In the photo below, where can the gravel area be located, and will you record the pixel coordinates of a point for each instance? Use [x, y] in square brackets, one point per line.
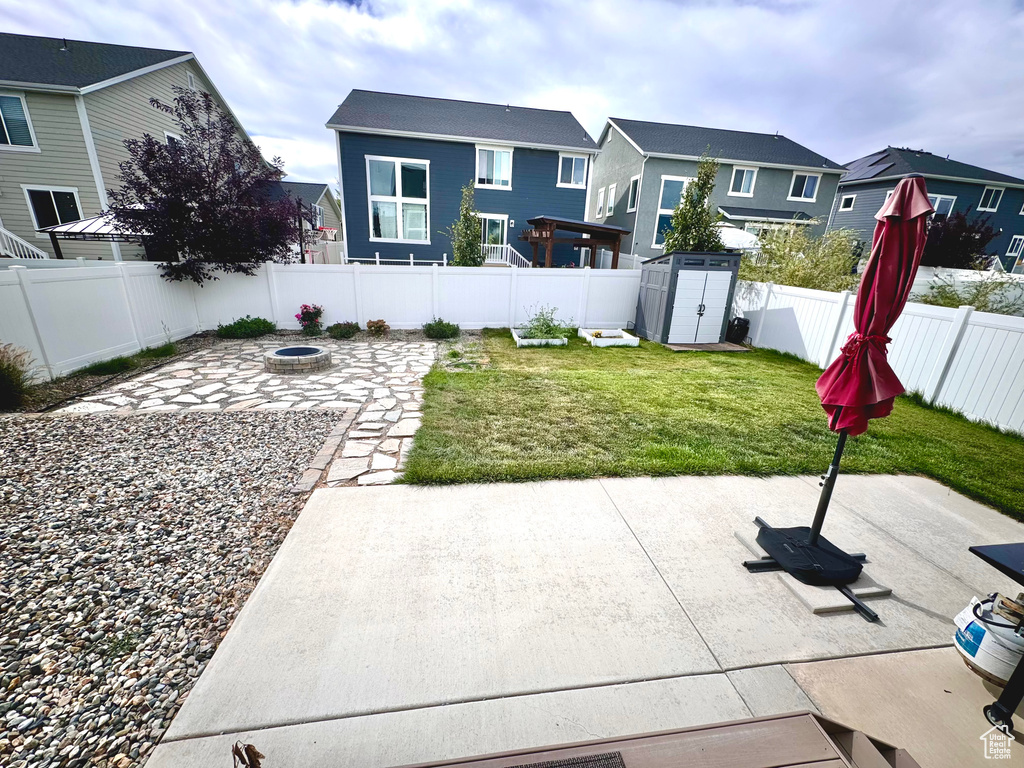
[127, 546]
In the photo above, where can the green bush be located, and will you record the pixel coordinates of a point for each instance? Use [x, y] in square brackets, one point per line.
[109, 367]
[377, 328]
[246, 328]
[15, 363]
[543, 325]
[791, 256]
[343, 330]
[439, 329]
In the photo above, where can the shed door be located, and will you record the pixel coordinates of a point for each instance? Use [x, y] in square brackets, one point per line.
[716, 295]
[689, 297]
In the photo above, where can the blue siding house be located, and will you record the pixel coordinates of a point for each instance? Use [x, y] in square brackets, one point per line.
[403, 161]
[952, 186]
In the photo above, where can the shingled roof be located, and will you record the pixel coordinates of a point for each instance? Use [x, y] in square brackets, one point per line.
[53, 61]
[693, 141]
[896, 161]
[375, 112]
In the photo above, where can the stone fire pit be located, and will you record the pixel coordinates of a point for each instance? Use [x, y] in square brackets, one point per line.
[297, 359]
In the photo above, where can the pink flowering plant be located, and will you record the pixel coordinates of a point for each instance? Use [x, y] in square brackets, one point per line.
[310, 318]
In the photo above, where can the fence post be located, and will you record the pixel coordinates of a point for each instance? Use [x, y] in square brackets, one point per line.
[356, 291]
[376, 257]
[272, 290]
[444, 258]
[584, 297]
[22, 275]
[826, 352]
[410, 260]
[947, 352]
[126, 289]
[764, 314]
[512, 296]
[434, 288]
[80, 260]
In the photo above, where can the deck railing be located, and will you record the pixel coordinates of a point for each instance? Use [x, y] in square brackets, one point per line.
[14, 247]
[505, 254]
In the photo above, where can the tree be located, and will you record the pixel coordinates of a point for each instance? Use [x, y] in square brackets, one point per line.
[790, 256]
[203, 199]
[692, 227]
[465, 232]
[957, 241]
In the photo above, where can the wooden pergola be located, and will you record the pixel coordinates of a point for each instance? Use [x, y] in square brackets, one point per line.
[599, 235]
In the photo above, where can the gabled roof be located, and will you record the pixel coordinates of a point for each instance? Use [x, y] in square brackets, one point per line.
[397, 114]
[307, 192]
[898, 161]
[691, 141]
[73, 64]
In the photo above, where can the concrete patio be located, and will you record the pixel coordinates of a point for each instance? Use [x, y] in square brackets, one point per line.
[403, 624]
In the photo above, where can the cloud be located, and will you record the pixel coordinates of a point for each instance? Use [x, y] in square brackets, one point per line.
[844, 79]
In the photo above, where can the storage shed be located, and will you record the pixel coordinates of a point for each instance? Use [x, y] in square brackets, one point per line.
[685, 297]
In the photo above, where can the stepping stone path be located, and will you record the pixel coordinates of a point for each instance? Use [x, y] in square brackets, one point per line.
[375, 386]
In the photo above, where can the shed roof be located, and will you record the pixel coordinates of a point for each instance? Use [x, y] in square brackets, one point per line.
[376, 112]
[693, 141]
[899, 161]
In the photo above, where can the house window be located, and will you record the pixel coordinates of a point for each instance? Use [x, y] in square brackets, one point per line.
[600, 202]
[51, 206]
[1016, 246]
[846, 203]
[398, 190]
[990, 199]
[173, 139]
[610, 210]
[672, 188]
[743, 182]
[494, 167]
[943, 204]
[493, 228]
[634, 194]
[15, 128]
[317, 216]
[804, 187]
[191, 82]
[572, 171]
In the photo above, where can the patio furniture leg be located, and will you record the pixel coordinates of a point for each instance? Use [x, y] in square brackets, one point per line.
[858, 604]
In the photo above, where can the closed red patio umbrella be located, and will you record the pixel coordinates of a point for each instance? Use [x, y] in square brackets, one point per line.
[858, 386]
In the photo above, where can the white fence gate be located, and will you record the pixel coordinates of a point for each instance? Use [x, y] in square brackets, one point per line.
[970, 361]
[68, 318]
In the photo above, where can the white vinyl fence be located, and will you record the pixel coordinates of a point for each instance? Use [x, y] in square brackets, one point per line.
[966, 360]
[69, 318]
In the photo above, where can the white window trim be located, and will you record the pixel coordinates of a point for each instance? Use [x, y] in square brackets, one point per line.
[609, 203]
[318, 216]
[398, 199]
[938, 198]
[817, 188]
[561, 156]
[31, 130]
[630, 191]
[1000, 190]
[661, 193]
[191, 81]
[494, 148]
[25, 188]
[842, 200]
[1019, 241]
[1021, 211]
[503, 216]
[753, 183]
[170, 135]
[600, 204]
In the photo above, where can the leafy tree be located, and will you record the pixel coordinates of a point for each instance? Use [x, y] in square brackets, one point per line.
[203, 200]
[958, 241]
[692, 227]
[465, 232]
[790, 256]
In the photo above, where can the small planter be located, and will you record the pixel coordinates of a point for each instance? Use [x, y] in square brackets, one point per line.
[521, 342]
[608, 338]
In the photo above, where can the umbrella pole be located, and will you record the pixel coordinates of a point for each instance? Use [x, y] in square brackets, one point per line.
[829, 479]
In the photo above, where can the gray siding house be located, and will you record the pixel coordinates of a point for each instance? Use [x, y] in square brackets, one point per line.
[764, 180]
[952, 186]
[403, 161]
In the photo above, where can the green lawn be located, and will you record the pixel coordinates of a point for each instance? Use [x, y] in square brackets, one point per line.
[581, 412]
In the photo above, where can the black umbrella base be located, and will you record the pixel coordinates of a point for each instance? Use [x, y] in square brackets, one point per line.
[822, 564]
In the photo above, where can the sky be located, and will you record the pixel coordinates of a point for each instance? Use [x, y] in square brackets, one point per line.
[842, 78]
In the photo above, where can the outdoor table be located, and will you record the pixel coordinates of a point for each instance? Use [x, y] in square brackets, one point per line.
[1007, 559]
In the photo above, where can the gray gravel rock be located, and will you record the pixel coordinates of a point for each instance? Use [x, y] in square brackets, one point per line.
[127, 546]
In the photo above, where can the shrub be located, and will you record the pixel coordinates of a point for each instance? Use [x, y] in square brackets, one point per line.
[246, 328]
[789, 256]
[543, 325]
[464, 232]
[309, 317]
[109, 367]
[155, 353]
[343, 330]
[990, 292]
[439, 329]
[15, 363]
[377, 328]
[959, 242]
